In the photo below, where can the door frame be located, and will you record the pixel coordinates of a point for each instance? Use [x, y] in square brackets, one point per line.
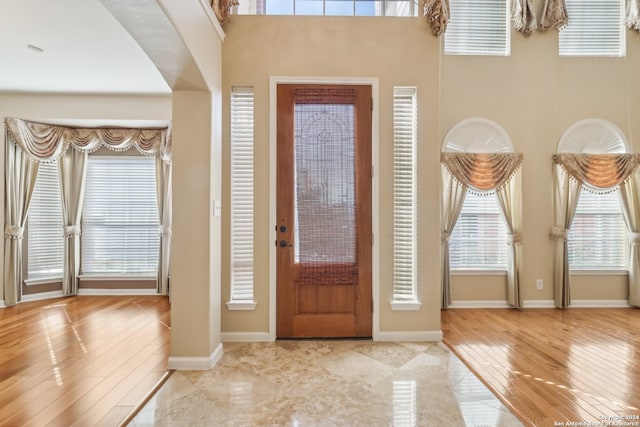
[375, 200]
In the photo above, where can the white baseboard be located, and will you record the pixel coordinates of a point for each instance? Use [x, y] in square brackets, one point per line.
[115, 292]
[607, 303]
[480, 304]
[41, 296]
[539, 303]
[409, 336]
[246, 337]
[196, 363]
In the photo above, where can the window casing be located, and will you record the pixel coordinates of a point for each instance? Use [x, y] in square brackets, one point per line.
[478, 27]
[242, 157]
[405, 120]
[595, 28]
[45, 241]
[479, 239]
[598, 234]
[120, 225]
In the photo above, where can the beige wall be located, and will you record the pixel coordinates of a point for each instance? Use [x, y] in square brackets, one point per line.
[534, 94]
[397, 52]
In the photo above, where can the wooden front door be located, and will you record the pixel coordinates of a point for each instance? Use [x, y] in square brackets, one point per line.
[324, 231]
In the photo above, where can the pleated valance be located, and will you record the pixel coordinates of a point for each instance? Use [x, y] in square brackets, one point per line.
[483, 173]
[599, 173]
[46, 142]
[437, 14]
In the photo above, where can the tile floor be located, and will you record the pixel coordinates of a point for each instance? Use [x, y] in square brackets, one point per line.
[328, 384]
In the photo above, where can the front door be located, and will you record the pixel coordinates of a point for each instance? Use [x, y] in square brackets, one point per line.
[324, 231]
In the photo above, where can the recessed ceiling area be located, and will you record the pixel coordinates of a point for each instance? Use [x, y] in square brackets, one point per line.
[71, 46]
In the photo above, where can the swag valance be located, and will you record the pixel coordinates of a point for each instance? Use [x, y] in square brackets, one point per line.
[46, 142]
[599, 173]
[483, 173]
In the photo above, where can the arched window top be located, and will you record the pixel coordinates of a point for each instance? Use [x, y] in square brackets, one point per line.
[593, 136]
[477, 135]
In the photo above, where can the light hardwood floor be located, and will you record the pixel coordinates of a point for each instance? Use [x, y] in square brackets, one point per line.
[80, 361]
[548, 366]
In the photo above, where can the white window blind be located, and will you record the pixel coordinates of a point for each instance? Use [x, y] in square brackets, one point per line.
[404, 193]
[478, 27]
[479, 239]
[242, 194]
[595, 28]
[598, 234]
[45, 244]
[120, 225]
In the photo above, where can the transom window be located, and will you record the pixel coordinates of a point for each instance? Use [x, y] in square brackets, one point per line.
[329, 7]
[478, 27]
[595, 28]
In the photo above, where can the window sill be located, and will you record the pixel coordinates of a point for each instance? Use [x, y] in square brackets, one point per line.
[241, 305]
[405, 305]
[478, 272]
[42, 281]
[115, 277]
[599, 272]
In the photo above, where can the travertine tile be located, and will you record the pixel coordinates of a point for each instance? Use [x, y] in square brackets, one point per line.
[328, 384]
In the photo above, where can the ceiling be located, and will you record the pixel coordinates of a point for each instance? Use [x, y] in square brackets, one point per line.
[71, 46]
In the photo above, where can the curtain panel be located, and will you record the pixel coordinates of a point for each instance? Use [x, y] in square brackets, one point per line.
[28, 143]
[484, 173]
[599, 173]
[524, 17]
[632, 15]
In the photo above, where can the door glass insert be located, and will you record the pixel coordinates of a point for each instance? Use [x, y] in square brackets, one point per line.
[325, 189]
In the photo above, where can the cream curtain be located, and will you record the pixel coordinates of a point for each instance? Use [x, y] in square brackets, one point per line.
[630, 202]
[554, 15]
[163, 185]
[598, 173]
[524, 17]
[486, 173]
[29, 143]
[20, 178]
[632, 15]
[73, 176]
[437, 14]
[453, 194]
[566, 193]
[510, 201]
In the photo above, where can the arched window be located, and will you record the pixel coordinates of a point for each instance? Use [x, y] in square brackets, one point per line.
[481, 203]
[592, 168]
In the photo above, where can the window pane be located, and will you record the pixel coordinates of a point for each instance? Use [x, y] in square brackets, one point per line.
[479, 239]
[45, 243]
[595, 28]
[478, 27]
[309, 7]
[242, 194]
[120, 233]
[339, 7]
[279, 7]
[404, 193]
[598, 234]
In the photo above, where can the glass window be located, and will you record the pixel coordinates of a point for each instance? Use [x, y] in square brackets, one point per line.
[45, 244]
[479, 239]
[478, 27]
[120, 225]
[598, 234]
